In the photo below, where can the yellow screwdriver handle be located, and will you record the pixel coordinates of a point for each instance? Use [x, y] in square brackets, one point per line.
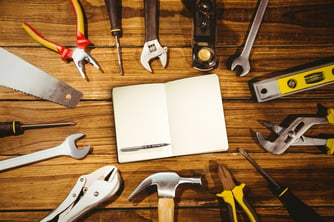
[238, 193]
[228, 198]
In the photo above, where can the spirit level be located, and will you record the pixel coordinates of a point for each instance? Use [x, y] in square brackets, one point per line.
[294, 82]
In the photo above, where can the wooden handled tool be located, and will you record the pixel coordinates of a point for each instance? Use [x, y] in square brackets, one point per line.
[166, 182]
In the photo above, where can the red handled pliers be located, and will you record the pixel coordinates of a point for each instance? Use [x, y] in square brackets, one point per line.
[79, 55]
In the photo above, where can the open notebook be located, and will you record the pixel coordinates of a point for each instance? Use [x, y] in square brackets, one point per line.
[185, 116]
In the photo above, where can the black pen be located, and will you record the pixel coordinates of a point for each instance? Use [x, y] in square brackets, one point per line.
[149, 146]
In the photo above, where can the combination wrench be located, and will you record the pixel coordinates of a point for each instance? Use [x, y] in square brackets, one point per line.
[67, 148]
[243, 59]
[152, 47]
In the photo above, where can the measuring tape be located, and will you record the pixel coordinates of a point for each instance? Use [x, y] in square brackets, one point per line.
[291, 83]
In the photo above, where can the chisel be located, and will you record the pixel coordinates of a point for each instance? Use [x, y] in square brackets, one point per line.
[298, 210]
[114, 10]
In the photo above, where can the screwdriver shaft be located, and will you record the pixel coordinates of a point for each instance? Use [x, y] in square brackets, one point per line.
[46, 125]
[119, 55]
[259, 169]
[16, 128]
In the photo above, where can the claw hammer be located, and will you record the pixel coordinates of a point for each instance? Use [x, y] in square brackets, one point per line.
[166, 183]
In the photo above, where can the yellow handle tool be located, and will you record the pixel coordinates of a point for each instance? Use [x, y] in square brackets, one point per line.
[294, 82]
[82, 42]
[238, 193]
[228, 198]
[234, 192]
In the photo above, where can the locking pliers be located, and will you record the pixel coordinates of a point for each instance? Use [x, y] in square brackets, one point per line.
[89, 191]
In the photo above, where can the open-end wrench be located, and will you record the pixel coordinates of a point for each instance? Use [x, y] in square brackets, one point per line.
[67, 148]
[243, 59]
[152, 47]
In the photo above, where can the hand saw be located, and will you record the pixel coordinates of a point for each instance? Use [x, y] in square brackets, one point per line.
[16, 73]
[294, 82]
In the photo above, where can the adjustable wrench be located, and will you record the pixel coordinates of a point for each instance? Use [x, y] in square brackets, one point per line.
[152, 47]
[67, 148]
[243, 59]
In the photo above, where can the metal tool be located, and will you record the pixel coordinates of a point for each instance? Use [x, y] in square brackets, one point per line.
[22, 76]
[79, 55]
[243, 59]
[89, 191]
[166, 183]
[293, 82]
[114, 11]
[15, 128]
[67, 148]
[293, 134]
[152, 48]
[204, 36]
[303, 140]
[298, 210]
[231, 192]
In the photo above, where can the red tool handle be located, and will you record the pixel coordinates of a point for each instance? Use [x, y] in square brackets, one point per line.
[64, 52]
[82, 41]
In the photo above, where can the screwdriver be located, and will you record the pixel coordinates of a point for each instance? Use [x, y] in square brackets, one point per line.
[298, 210]
[115, 13]
[15, 128]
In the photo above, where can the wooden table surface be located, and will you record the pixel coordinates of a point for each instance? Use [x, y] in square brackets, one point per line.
[293, 33]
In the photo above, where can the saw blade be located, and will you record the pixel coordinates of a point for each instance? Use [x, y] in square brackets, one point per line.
[17, 74]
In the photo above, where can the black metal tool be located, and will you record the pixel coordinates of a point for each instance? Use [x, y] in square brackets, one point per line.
[15, 128]
[204, 36]
[114, 8]
[298, 210]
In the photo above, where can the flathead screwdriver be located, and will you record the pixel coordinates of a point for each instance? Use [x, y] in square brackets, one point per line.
[115, 14]
[17, 128]
[298, 210]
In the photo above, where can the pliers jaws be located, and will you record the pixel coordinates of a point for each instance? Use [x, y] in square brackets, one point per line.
[80, 57]
[89, 191]
[293, 135]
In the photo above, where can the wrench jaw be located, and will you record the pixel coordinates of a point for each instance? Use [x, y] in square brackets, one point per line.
[71, 148]
[241, 64]
[152, 49]
[271, 146]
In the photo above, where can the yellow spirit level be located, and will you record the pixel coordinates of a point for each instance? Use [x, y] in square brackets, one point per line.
[294, 82]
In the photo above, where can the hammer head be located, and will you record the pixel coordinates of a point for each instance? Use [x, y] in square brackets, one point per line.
[166, 183]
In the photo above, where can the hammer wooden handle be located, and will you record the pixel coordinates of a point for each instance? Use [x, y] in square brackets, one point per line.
[166, 209]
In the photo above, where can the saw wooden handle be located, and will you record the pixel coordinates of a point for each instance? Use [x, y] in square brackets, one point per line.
[166, 209]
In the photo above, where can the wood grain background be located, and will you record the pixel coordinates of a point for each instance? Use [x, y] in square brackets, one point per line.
[293, 33]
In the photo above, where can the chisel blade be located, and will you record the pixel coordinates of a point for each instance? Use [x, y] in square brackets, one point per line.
[17, 74]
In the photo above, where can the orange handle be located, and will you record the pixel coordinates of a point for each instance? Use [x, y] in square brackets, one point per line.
[63, 51]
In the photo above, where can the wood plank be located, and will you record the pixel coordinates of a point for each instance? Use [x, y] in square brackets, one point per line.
[95, 119]
[295, 23]
[265, 62]
[293, 33]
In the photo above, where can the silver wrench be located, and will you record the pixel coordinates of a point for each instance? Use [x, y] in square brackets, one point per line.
[152, 47]
[243, 59]
[67, 148]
